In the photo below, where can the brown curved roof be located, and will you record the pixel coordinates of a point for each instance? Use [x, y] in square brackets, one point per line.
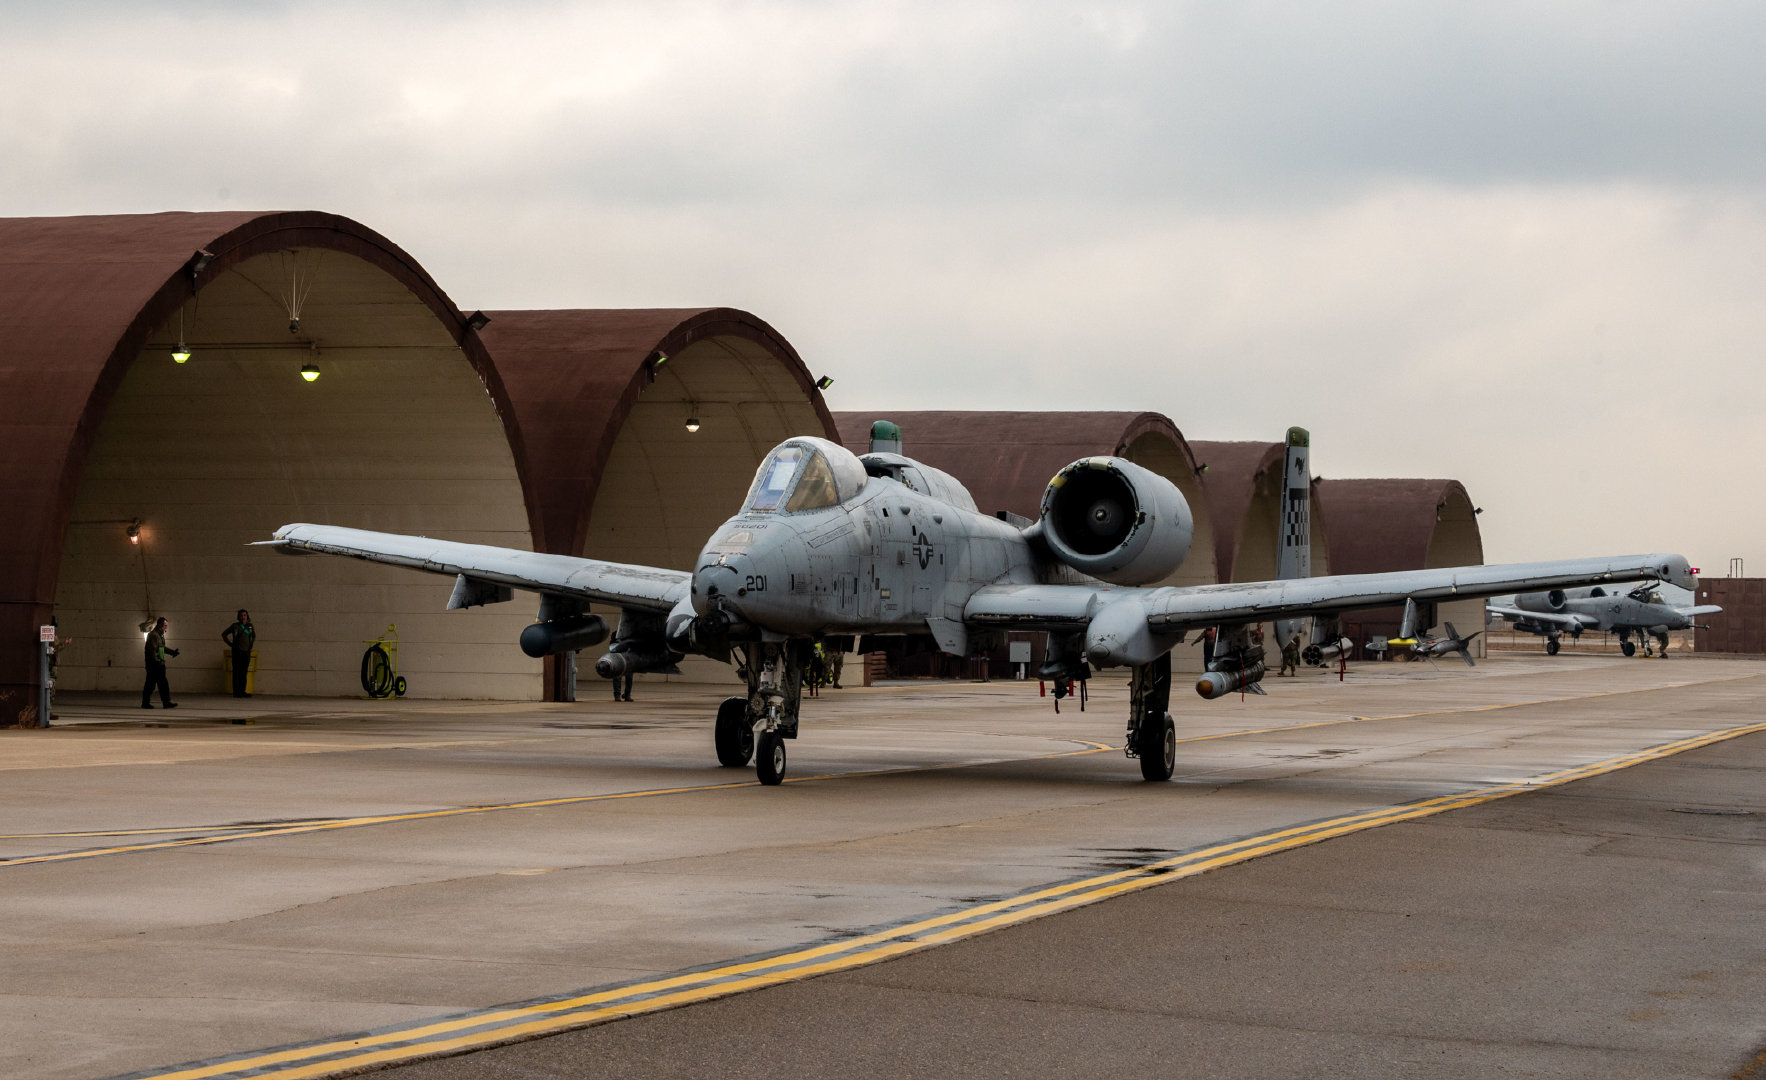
[1381, 525]
[574, 375]
[79, 297]
[1233, 469]
[1006, 459]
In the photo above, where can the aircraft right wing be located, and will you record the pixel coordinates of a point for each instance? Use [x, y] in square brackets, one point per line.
[1135, 625]
[642, 588]
[1702, 609]
[1567, 620]
[1203, 605]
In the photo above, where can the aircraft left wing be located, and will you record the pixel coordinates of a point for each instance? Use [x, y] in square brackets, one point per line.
[1121, 613]
[1567, 620]
[643, 588]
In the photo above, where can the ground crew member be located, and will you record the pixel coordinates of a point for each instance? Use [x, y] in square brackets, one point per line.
[156, 653]
[1208, 637]
[1291, 657]
[240, 637]
[627, 679]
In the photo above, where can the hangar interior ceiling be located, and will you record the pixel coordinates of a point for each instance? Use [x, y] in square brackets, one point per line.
[398, 433]
[665, 489]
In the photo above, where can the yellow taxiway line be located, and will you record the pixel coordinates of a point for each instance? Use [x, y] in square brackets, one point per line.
[487, 1027]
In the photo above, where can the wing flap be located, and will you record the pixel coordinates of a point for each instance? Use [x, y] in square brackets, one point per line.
[645, 588]
[1204, 605]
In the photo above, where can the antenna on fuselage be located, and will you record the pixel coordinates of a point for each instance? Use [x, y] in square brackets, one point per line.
[885, 437]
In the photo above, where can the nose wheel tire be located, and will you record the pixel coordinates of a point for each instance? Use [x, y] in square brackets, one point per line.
[734, 734]
[1629, 648]
[1157, 749]
[1551, 648]
[769, 763]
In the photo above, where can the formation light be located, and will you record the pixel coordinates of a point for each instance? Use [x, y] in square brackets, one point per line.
[309, 372]
[692, 423]
[181, 353]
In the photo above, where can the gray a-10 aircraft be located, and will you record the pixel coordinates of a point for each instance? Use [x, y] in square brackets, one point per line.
[1556, 612]
[829, 545]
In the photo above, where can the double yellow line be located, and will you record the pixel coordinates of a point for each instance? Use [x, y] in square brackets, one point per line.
[489, 1027]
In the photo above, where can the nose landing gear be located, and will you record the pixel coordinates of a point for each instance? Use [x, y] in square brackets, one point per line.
[734, 734]
[756, 727]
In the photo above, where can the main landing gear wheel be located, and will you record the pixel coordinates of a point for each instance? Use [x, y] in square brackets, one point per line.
[1629, 648]
[1551, 648]
[733, 734]
[769, 763]
[1158, 748]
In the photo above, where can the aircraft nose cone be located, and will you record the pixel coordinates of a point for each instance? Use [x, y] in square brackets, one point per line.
[719, 583]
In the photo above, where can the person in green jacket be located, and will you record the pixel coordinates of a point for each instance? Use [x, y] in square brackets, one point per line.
[156, 653]
[240, 637]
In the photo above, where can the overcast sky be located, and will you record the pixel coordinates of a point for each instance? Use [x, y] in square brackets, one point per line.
[1518, 244]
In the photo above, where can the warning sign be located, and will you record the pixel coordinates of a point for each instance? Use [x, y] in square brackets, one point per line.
[46, 633]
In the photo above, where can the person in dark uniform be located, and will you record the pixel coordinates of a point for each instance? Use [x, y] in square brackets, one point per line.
[240, 637]
[1291, 657]
[627, 680]
[156, 653]
[1208, 637]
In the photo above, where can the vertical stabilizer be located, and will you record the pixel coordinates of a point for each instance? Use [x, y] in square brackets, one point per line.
[1294, 557]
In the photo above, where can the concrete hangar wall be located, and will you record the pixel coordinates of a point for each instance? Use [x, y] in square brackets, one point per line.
[136, 481]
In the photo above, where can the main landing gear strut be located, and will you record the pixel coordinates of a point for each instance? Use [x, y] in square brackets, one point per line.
[757, 726]
[1152, 736]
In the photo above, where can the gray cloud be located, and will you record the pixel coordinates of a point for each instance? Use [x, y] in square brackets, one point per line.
[1519, 244]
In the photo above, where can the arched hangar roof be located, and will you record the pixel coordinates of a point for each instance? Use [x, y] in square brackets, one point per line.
[1006, 459]
[79, 299]
[1399, 524]
[576, 377]
[1405, 524]
[1233, 472]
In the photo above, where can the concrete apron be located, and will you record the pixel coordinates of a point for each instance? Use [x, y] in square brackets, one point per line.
[248, 904]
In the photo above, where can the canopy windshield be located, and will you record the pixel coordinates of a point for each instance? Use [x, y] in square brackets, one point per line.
[794, 478]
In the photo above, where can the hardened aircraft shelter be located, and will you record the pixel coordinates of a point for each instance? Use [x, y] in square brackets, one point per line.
[175, 386]
[1402, 524]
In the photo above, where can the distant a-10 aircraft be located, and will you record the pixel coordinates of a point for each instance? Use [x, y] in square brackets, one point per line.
[1642, 611]
[828, 546]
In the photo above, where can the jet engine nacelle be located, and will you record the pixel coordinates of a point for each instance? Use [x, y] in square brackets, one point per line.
[1116, 521]
[1552, 602]
[563, 635]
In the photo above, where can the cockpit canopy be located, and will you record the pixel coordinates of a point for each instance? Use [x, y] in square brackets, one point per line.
[805, 473]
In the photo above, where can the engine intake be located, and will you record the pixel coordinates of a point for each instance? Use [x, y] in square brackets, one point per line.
[1116, 521]
[1552, 601]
